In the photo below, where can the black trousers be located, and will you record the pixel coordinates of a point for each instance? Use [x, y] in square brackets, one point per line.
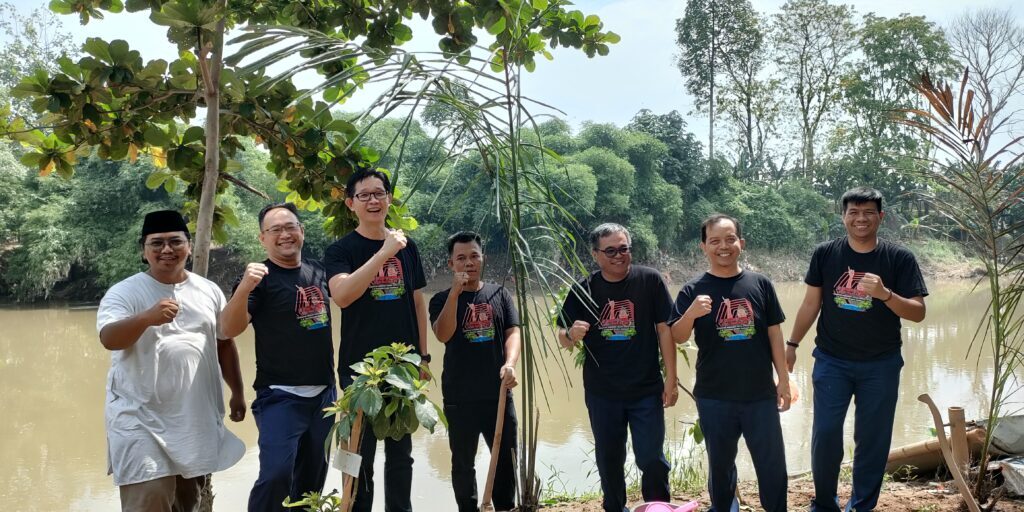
[466, 423]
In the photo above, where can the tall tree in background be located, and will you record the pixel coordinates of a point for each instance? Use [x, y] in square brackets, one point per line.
[990, 42]
[813, 39]
[711, 35]
[32, 41]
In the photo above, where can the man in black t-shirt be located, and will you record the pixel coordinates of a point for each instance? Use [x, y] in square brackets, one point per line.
[861, 286]
[285, 299]
[479, 325]
[618, 317]
[735, 317]
[376, 279]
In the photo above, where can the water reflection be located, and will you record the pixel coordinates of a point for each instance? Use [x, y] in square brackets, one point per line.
[53, 369]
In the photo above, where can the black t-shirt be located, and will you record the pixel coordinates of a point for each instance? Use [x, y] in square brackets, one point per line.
[622, 343]
[852, 324]
[386, 312]
[292, 321]
[476, 351]
[734, 355]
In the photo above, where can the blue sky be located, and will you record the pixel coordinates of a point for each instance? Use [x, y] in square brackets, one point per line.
[639, 73]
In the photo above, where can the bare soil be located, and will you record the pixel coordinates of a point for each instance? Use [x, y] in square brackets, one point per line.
[896, 497]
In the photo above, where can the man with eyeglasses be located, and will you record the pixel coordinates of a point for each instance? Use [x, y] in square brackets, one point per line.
[377, 280]
[284, 298]
[618, 316]
[164, 405]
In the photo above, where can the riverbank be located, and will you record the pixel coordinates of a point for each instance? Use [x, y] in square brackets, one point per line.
[896, 497]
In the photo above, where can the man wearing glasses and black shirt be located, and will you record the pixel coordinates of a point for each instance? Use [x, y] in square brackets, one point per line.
[376, 280]
[619, 315]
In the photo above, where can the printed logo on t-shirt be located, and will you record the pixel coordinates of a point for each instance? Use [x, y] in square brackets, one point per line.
[310, 307]
[389, 284]
[735, 320]
[616, 322]
[478, 324]
[847, 295]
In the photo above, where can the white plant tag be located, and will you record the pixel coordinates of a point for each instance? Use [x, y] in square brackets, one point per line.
[347, 462]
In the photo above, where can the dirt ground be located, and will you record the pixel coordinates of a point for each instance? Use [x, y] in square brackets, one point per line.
[896, 497]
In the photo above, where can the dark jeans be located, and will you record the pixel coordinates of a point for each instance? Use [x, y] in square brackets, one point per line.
[292, 431]
[874, 385]
[466, 423]
[645, 418]
[723, 422]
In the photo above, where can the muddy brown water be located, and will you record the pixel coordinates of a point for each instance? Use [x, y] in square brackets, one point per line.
[53, 369]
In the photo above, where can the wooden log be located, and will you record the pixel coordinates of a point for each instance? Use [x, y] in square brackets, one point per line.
[947, 455]
[925, 456]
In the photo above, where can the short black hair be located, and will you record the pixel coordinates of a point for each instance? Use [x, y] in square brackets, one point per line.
[860, 195]
[273, 206]
[463, 237]
[607, 229]
[362, 174]
[715, 218]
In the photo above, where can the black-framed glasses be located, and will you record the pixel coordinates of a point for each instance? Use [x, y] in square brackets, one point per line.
[291, 228]
[376, 194]
[157, 244]
[611, 252]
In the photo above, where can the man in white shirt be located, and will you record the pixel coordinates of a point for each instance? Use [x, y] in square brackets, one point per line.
[164, 406]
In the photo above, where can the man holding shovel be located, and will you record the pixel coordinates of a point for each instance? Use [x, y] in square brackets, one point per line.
[479, 325]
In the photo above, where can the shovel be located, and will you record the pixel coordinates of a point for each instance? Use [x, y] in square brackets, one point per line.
[499, 426]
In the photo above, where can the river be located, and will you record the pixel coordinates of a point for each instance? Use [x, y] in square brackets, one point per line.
[53, 369]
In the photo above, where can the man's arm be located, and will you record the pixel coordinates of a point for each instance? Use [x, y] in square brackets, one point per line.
[668, 355]
[347, 288]
[779, 362]
[125, 333]
[683, 328]
[805, 316]
[912, 308]
[235, 316]
[231, 370]
[421, 320]
[444, 326]
[507, 374]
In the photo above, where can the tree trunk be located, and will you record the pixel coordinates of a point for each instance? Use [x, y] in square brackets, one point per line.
[711, 89]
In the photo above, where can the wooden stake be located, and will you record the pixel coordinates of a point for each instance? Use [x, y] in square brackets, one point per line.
[348, 486]
[958, 439]
[958, 478]
[499, 426]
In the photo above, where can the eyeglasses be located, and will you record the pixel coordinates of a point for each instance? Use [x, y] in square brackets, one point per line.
[291, 228]
[612, 251]
[157, 244]
[377, 194]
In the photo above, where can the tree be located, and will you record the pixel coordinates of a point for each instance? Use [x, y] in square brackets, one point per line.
[34, 41]
[812, 40]
[990, 43]
[712, 35]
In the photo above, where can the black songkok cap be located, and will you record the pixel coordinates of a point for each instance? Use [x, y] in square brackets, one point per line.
[164, 221]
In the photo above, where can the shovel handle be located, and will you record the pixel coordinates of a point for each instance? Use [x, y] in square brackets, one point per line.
[499, 426]
[947, 454]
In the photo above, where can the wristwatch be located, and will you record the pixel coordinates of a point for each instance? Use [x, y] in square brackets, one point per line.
[793, 344]
[425, 358]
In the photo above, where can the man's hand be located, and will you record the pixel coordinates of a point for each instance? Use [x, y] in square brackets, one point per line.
[507, 374]
[670, 394]
[577, 331]
[424, 371]
[790, 358]
[459, 280]
[162, 312]
[699, 307]
[784, 396]
[254, 273]
[873, 286]
[394, 242]
[237, 406]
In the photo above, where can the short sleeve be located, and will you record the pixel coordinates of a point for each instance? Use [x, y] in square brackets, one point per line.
[337, 260]
[437, 304]
[572, 307]
[661, 297]
[511, 313]
[814, 277]
[683, 301]
[114, 307]
[909, 281]
[773, 314]
[419, 280]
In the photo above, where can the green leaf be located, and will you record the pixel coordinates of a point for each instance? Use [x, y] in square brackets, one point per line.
[426, 415]
[193, 134]
[397, 381]
[155, 136]
[540, 5]
[697, 432]
[498, 26]
[156, 179]
[611, 38]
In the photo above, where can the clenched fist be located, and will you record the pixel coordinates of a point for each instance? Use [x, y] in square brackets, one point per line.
[162, 312]
[872, 285]
[577, 331]
[699, 307]
[254, 273]
[459, 280]
[395, 241]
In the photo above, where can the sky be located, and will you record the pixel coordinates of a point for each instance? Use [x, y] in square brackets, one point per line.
[640, 72]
